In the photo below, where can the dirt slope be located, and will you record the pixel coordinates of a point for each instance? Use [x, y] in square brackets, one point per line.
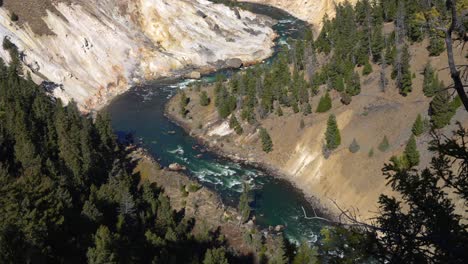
[352, 180]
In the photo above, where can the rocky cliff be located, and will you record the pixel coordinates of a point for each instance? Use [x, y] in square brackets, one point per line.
[93, 50]
[311, 11]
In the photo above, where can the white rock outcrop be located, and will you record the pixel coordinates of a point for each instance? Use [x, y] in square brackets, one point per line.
[98, 51]
[311, 11]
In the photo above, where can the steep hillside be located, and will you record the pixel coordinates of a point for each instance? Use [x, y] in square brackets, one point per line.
[307, 10]
[372, 104]
[94, 50]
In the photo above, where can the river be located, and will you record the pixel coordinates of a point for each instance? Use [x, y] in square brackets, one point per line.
[140, 111]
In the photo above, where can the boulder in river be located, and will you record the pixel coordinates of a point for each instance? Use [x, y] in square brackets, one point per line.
[279, 228]
[177, 167]
[234, 63]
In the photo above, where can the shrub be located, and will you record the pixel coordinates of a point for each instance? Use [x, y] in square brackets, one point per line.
[332, 135]
[384, 145]
[418, 126]
[204, 99]
[354, 147]
[367, 69]
[14, 17]
[325, 103]
[267, 143]
[346, 99]
[194, 187]
[371, 153]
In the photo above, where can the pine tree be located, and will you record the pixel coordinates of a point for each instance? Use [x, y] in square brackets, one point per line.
[325, 103]
[332, 135]
[401, 71]
[354, 85]
[367, 69]
[215, 256]
[418, 126]
[441, 113]
[104, 250]
[307, 109]
[305, 255]
[204, 99]
[354, 147]
[244, 202]
[411, 152]
[267, 143]
[234, 124]
[384, 145]
[431, 84]
[436, 45]
[279, 111]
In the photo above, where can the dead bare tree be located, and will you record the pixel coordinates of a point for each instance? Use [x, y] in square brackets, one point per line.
[455, 26]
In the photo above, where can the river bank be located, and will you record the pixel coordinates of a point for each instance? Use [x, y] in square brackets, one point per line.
[233, 151]
[193, 200]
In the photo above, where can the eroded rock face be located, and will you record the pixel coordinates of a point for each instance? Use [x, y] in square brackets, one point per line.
[98, 49]
[311, 11]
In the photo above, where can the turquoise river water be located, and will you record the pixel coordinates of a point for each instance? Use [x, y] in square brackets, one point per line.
[140, 112]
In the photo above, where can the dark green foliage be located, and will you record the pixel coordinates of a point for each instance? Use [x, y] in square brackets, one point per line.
[325, 103]
[443, 109]
[14, 17]
[353, 86]
[371, 153]
[401, 71]
[234, 124]
[431, 83]
[104, 250]
[332, 135]
[215, 256]
[279, 111]
[184, 101]
[307, 109]
[367, 68]
[418, 126]
[384, 145]
[354, 147]
[424, 215]
[244, 202]
[411, 152]
[305, 254]
[204, 99]
[267, 143]
[69, 194]
[436, 45]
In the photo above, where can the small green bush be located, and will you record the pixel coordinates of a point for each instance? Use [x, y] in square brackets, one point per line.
[354, 147]
[384, 145]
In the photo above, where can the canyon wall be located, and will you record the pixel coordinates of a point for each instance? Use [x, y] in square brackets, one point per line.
[94, 50]
[311, 11]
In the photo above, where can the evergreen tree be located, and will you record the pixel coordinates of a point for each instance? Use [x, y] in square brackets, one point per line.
[305, 255]
[418, 126]
[234, 124]
[332, 135]
[436, 45]
[401, 72]
[267, 143]
[384, 145]
[441, 112]
[215, 256]
[354, 147]
[105, 248]
[354, 85]
[184, 101]
[367, 69]
[411, 152]
[325, 103]
[307, 109]
[431, 84]
[204, 99]
[244, 202]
